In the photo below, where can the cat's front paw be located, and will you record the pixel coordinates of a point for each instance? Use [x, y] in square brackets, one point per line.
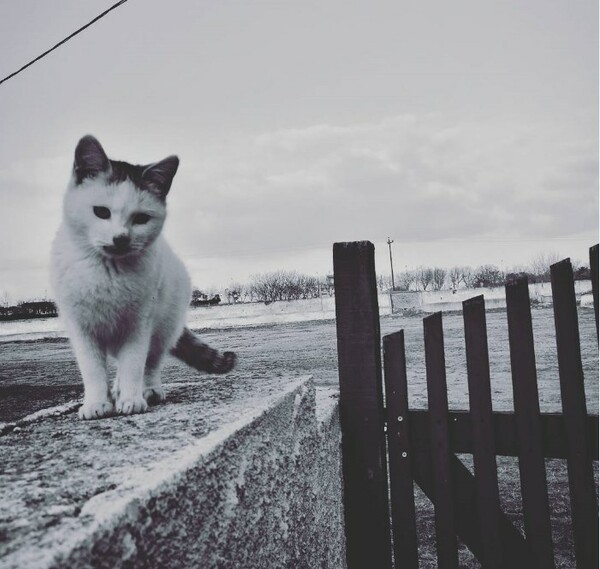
[154, 395]
[131, 406]
[96, 410]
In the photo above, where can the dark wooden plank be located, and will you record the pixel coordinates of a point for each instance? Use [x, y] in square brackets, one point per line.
[404, 528]
[484, 454]
[527, 413]
[447, 546]
[584, 508]
[505, 433]
[516, 551]
[594, 272]
[368, 540]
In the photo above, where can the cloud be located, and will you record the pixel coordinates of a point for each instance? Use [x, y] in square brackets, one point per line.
[31, 204]
[414, 177]
[262, 202]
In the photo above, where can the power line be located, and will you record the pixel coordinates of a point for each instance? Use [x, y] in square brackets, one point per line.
[63, 41]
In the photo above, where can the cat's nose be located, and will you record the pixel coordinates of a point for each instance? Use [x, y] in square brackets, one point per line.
[121, 241]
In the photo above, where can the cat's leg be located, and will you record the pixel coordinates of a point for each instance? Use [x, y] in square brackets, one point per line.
[91, 359]
[130, 374]
[153, 390]
[115, 389]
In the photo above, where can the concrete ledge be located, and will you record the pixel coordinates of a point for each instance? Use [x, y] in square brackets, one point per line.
[235, 472]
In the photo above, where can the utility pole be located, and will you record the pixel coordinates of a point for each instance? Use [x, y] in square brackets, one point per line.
[389, 242]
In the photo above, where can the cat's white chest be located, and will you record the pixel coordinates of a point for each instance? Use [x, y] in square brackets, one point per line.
[105, 286]
[101, 295]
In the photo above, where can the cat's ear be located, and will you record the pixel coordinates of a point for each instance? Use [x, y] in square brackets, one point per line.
[90, 159]
[157, 177]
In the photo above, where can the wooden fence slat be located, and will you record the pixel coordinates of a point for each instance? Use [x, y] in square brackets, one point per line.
[404, 528]
[584, 508]
[447, 546]
[368, 540]
[516, 551]
[527, 412]
[594, 271]
[506, 440]
[484, 455]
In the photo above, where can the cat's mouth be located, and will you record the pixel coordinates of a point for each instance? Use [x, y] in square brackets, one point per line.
[115, 251]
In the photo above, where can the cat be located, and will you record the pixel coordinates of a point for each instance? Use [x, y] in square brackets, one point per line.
[119, 288]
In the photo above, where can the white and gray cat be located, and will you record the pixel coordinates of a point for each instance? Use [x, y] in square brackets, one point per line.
[120, 289]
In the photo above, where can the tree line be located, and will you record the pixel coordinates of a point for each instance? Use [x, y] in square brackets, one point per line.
[292, 285]
[437, 278]
[278, 285]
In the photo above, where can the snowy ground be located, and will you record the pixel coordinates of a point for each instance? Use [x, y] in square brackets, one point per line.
[208, 317]
[36, 374]
[283, 312]
[43, 372]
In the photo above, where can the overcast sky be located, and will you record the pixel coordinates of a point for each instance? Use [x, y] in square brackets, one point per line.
[467, 131]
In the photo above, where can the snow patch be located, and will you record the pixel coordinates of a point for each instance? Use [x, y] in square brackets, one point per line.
[140, 482]
[55, 411]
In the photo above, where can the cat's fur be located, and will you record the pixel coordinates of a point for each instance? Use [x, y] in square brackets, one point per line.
[119, 288]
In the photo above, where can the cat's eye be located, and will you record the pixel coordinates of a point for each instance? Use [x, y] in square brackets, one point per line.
[101, 212]
[140, 218]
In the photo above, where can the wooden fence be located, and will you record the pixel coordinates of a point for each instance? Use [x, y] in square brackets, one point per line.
[421, 445]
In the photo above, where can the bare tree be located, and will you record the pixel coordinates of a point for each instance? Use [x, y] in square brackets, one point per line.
[236, 292]
[406, 279]
[455, 276]
[438, 278]
[467, 276]
[384, 282]
[307, 286]
[283, 285]
[489, 276]
[581, 271]
[265, 287]
[539, 266]
[4, 298]
[424, 276]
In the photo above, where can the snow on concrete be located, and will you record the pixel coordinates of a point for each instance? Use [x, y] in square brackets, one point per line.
[48, 412]
[238, 471]
[327, 403]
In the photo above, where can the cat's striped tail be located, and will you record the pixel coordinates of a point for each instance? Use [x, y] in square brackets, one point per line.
[195, 353]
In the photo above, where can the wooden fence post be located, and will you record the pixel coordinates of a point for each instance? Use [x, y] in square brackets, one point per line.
[484, 452]
[366, 509]
[594, 271]
[534, 488]
[584, 508]
[437, 397]
[404, 528]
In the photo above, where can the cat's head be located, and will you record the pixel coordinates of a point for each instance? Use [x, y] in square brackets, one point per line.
[115, 208]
